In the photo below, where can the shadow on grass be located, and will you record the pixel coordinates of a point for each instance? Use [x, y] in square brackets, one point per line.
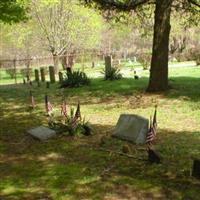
[72, 168]
[182, 86]
[185, 86]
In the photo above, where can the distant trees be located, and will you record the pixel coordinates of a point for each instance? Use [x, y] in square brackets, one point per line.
[12, 11]
[64, 26]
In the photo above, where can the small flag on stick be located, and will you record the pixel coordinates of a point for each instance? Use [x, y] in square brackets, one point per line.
[78, 111]
[77, 116]
[32, 100]
[151, 134]
[155, 118]
[64, 108]
[48, 106]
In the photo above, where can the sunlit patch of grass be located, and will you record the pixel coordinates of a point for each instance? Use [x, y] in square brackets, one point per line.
[73, 168]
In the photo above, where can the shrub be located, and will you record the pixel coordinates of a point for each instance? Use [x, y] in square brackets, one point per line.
[26, 72]
[195, 55]
[144, 59]
[75, 79]
[11, 72]
[112, 74]
[68, 127]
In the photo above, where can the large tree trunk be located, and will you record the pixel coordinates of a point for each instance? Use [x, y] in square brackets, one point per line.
[159, 63]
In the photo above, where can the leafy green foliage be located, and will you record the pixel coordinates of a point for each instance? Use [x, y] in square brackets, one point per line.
[69, 127]
[75, 79]
[112, 74]
[26, 72]
[11, 72]
[144, 60]
[12, 11]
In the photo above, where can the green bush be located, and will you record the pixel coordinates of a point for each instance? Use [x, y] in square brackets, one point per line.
[112, 74]
[145, 60]
[69, 127]
[26, 72]
[75, 79]
[195, 55]
[11, 72]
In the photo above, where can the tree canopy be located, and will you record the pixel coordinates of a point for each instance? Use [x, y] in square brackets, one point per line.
[160, 49]
[12, 11]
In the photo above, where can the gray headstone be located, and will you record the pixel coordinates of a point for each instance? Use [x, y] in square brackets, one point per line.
[42, 133]
[132, 128]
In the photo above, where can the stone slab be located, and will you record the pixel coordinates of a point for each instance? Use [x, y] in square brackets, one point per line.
[132, 128]
[42, 133]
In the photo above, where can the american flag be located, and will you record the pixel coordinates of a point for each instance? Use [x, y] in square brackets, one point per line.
[77, 116]
[78, 112]
[155, 118]
[151, 134]
[64, 109]
[32, 100]
[48, 106]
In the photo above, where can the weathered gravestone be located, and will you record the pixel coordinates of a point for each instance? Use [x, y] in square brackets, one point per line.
[60, 75]
[196, 168]
[42, 133]
[52, 74]
[37, 75]
[132, 128]
[42, 72]
[108, 65]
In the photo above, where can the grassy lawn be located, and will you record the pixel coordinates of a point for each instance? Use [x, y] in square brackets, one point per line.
[72, 168]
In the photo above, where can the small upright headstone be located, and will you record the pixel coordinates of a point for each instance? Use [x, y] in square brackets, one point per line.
[38, 83]
[47, 85]
[153, 156]
[42, 133]
[196, 168]
[42, 72]
[37, 76]
[108, 65]
[24, 81]
[30, 83]
[132, 128]
[60, 75]
[28, 78]
[93, 64]
[52, 74]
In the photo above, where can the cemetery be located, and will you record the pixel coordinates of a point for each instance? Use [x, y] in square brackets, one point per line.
[108, 123]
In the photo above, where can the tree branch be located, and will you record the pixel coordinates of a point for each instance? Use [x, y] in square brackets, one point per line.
[194, 2]
[119, 5]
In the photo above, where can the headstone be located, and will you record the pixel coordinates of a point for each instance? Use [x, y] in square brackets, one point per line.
[196, 169]
[132, 128]
[42, 133]
[37, 76]
[60, 75]
[93, 64]
[108, 65]
[27, 78]
[52, 74]
[38, 83]
[47, 85]
[42, 72]
[24, 81]
[153, 156]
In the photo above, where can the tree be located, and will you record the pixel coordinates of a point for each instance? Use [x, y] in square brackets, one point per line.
[12, 11]
[158, 80]
[64, 26]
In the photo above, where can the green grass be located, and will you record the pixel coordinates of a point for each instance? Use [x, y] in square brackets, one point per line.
[71, 168]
